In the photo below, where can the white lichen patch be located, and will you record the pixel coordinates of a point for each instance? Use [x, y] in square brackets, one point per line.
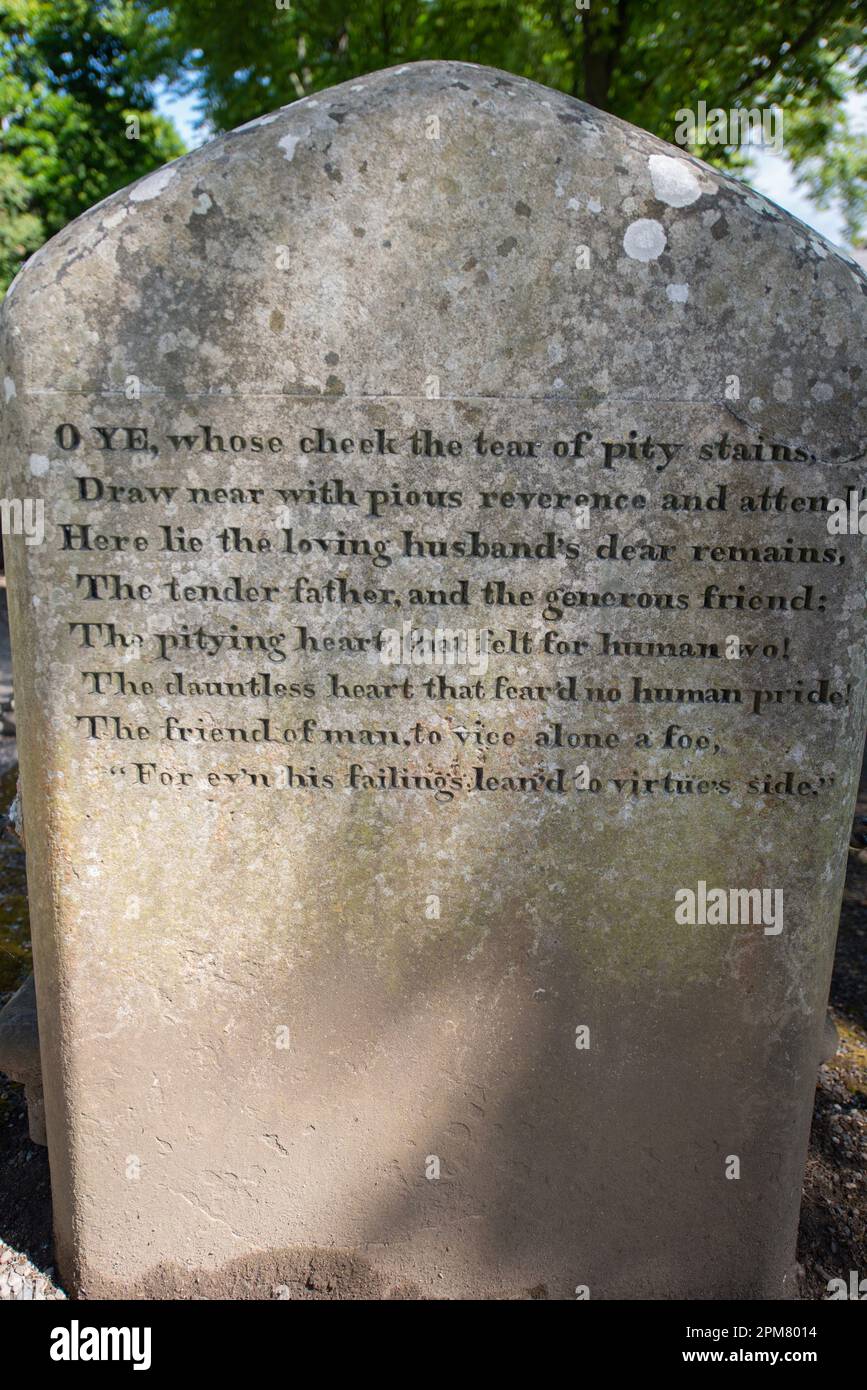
[260, 120]
[170, 342]
[759, 204]
[644, 240]
[8, 388]
[38, 465]
[674, 182]
[678, 294]
[289, 145]
[153, 185]
[782, 389]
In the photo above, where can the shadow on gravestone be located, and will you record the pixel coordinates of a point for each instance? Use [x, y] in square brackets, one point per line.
[372, 962]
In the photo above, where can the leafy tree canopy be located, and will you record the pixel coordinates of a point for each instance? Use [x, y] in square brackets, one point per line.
[77, 116]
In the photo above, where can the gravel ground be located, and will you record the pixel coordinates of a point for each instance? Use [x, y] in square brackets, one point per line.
[26, 1271]
[833, 1232]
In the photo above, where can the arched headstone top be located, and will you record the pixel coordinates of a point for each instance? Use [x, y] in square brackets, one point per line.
[450, 220]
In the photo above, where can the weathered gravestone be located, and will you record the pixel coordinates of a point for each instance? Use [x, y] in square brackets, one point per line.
[360, 972]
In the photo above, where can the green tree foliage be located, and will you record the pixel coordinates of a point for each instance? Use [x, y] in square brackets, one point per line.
[641, 59]
[77, 116]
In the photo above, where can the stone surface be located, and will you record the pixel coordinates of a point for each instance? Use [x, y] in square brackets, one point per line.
[353, 983]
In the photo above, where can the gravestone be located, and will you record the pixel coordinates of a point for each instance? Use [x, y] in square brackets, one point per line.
[440, 695]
